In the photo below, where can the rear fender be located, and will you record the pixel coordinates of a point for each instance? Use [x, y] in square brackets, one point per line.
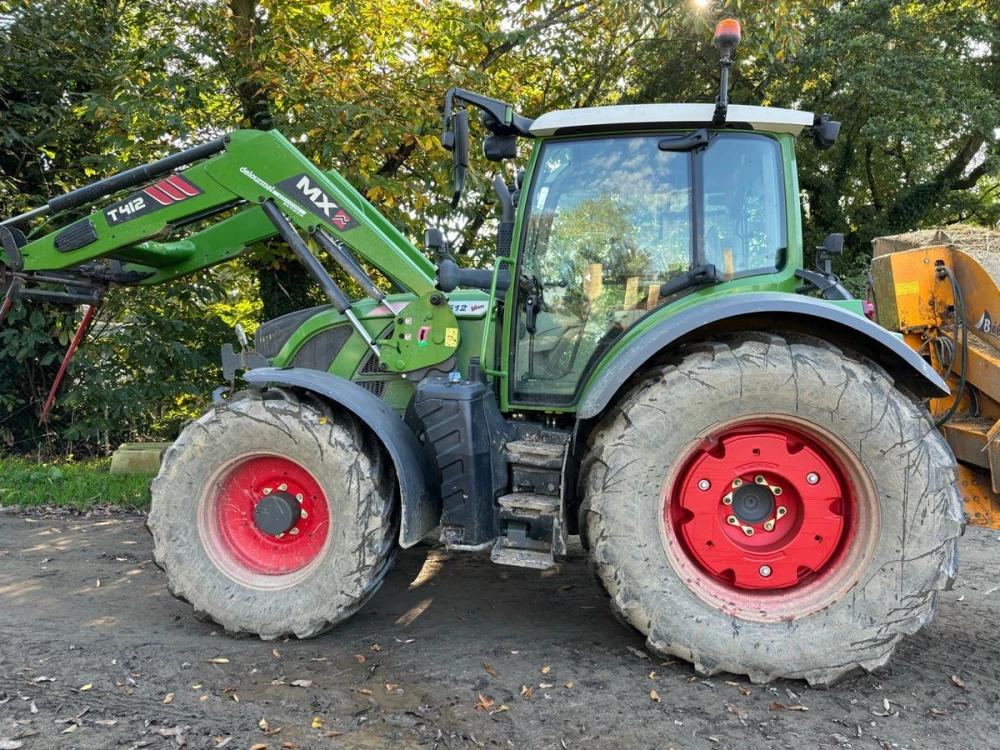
[418, 489]
[768, 311]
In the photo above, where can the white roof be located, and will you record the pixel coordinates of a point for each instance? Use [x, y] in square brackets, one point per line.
[771, 119]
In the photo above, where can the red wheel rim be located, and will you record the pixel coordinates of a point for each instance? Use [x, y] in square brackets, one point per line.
[769, 516]
[240, 545]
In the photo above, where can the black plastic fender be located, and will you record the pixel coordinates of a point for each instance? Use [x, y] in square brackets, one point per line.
[771, 311]
[418, 489]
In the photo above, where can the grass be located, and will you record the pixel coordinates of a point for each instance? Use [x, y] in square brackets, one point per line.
[76, 484]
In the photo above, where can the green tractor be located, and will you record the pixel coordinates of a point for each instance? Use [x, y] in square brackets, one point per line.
[649, 364]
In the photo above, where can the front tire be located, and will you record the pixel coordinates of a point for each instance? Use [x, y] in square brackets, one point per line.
[329, 536]
[771, 508]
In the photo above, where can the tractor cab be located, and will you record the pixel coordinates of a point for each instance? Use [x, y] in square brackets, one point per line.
[624, 211]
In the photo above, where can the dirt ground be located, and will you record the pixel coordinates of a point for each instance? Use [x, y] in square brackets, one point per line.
[94, 653]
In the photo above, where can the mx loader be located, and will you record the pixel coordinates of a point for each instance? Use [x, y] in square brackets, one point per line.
[650, 363]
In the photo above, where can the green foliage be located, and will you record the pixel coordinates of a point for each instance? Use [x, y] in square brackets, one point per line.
[88, 88]
[78, 484]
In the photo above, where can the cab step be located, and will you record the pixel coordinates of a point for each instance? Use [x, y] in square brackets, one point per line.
[521, 558]
[532, 530]
[536, 453]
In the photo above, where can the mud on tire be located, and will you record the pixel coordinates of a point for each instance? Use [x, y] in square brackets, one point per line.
[353, 477]
[917, 510]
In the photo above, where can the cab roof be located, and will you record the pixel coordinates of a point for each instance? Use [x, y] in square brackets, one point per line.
[643, 116]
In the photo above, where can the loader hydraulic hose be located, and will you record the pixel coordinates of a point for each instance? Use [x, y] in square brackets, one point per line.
[960, 324]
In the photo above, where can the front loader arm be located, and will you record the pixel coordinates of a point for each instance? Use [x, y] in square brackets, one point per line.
[254, 167]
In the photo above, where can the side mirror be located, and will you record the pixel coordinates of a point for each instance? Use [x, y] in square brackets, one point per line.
[500, 147]
[458, 144]
[825, 132]
[833, 244]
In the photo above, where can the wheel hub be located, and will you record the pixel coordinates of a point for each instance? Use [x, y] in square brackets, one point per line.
[277, 513]
[761, 506]
[753, 503]
[271, 517]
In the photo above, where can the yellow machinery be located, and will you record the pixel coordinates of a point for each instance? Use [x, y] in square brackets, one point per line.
[941, 291]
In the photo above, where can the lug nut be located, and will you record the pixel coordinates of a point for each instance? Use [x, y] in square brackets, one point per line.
[704, 485]
[299, 497]
[812, 477]
[282, 487]
[776, 491]
[748, 530]
[733, 521]
[728, 499]
[737, 482]
[303, 514]
[279, 535]
[759, 479]
[765, 571]
[267, 490]
[780, 512]
[294, 531]
[769, 525]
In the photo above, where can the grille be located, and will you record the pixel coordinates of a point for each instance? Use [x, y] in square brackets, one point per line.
[374, 387]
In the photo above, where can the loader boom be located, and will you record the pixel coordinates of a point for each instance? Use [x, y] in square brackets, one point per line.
[254, 167]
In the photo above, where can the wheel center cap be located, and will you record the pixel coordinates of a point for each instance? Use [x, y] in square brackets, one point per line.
[277, 513]
[753, 503]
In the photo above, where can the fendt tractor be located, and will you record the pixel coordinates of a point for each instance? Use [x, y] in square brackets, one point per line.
[650, 363]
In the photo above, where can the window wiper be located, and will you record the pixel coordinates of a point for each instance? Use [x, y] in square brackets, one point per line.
[698, 276]
[689, 142]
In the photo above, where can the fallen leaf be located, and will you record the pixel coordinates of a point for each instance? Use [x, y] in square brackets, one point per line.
[654, 696]
[98, 584]
[260, 746]
[203, 698]
[271, 732]
[365, 691]
[732, 684]
[389, 687]
[317, 723]
[278, 682]
[569, 684]
[303, 683]
[263, 724]
[483, 704]
[690, 679]
[277, 654]
[321, 658]
[223, 741]
[375, 647]
[106, 722]
[526, 691]
[88, 686]
[331, 733]
[546, 670]
[744, 690]
[939, 712]
[490, 669]
[218, 660]
[736, 710]
[957, 681]
[33, 708]
[545, 685]
[568, 586]
[70, 728]
[652, 674]
[43, 679]
[501, 708]
[236, 697]
[515, 652]
[359, 658]
[10, 744]
[169, 698]
[196, 687]
[638, 652]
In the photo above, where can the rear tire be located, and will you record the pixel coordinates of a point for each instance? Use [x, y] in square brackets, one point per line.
[218, 560]
[655, 543]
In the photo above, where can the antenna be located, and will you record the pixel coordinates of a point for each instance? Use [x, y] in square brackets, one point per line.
[727, 39]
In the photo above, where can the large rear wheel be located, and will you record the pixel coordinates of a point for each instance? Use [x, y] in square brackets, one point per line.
[274, 517]
[772, 508]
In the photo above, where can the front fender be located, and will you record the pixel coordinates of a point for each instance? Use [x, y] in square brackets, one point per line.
[769, 311]
[418, 490]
